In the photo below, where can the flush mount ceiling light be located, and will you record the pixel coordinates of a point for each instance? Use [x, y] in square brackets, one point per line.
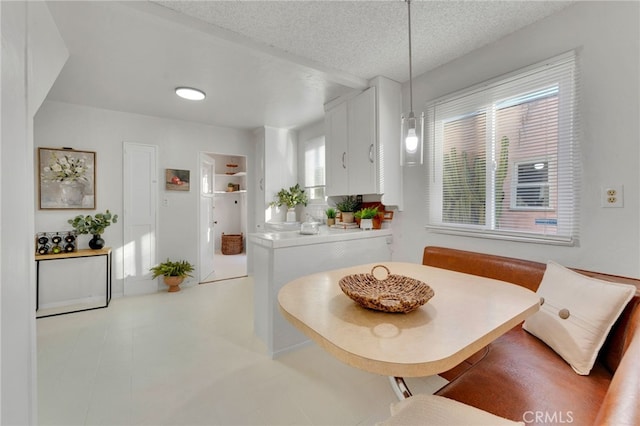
[190, 93]
[412, 127]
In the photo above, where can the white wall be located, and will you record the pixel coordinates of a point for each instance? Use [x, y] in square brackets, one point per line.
[32, 57]
[60, 124]
[606, 36]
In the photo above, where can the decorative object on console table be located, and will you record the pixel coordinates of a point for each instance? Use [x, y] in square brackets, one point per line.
[94, 226]
[347, 207]
[55, 242]
[176, 180]
[67, 179]
[174, 273]
[291, 198]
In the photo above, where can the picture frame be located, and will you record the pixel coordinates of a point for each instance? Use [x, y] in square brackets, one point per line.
[177, 180]
[66, 179]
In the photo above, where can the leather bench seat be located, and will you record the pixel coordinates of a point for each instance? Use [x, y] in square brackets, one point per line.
[517, 377]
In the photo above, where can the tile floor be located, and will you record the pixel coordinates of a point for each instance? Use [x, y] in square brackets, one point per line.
[228, 266]
[190, 358]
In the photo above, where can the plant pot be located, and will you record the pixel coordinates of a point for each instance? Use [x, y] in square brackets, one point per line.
[331, 221]
[291, 215]
[366, 223]
[377, 221]
[347, 217]
[173, 283]
[96, 243]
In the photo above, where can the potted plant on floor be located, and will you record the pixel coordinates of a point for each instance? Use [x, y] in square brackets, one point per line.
[347, 207]
[94, 225]
[291, 198]
[174, 272]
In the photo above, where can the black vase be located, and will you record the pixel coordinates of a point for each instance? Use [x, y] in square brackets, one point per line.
[96, 242]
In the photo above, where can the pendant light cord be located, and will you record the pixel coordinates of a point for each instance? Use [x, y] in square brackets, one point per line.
[410, 64]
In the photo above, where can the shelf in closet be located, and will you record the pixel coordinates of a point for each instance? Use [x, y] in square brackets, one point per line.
[231, 175]
[229, 192]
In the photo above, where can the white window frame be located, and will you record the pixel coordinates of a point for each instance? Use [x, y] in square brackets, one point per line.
[480, 98]
[317, 141]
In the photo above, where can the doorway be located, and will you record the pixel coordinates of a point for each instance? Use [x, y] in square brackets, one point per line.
[223, 211]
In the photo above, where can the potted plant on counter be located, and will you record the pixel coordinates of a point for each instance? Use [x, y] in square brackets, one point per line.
[347, 207]
[174, 273]
[331, 216]
[94, 225]
[291, 198]
[366, 216]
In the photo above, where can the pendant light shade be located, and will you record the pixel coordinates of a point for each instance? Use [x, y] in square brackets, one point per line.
[412, 127]
[412, 137]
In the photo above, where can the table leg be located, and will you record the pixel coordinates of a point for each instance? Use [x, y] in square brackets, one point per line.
[399, 387]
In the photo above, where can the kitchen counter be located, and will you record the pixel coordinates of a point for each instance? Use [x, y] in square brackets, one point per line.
[279, 257]
[326, 235]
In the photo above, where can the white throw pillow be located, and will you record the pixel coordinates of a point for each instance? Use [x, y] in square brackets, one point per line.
[576, 314]
[436, 410]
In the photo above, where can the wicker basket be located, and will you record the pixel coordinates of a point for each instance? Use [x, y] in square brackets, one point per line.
[231, 243]
[395, 293]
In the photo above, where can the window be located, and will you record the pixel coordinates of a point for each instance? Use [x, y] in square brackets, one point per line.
[314, 169]
[504, 157]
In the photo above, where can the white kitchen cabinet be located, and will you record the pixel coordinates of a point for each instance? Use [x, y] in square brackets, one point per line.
[363, 143]
[336, 138]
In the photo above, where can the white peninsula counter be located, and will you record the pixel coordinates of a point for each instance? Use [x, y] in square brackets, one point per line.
[279, 257]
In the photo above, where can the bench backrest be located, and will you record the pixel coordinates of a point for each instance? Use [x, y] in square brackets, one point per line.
[529, 274]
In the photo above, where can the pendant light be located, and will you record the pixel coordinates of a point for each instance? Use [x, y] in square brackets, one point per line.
[412, 127]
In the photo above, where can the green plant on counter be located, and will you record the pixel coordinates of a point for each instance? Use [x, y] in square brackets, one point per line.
[348, 204]
[93, 225]
[331, 213]
[366, 213]
[178, 268]
[290, 198]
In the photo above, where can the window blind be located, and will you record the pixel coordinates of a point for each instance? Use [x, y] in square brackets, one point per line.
[504, 156]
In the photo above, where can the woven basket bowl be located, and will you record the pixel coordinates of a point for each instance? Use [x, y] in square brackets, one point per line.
[395, 293]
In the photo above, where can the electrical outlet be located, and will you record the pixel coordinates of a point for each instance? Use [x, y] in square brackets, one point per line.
[612, 196]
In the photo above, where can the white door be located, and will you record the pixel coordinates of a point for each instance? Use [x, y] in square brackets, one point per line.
[139, 219]
[207, 221]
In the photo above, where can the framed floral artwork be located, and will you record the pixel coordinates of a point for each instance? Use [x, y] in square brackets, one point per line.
[66, 179]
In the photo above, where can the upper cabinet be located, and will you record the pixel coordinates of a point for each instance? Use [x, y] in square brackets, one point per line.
[362, 143]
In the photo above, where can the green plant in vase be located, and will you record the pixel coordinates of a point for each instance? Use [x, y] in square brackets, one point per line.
[93, 225]
[291, 198]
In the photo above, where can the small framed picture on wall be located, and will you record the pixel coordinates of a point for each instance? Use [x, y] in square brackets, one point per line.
[66, 179]
[176, 180]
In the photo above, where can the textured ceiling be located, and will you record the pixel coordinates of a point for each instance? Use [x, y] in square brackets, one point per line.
[370, 38]
[271, 63]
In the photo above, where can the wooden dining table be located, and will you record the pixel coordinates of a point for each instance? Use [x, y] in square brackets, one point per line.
[466, 313]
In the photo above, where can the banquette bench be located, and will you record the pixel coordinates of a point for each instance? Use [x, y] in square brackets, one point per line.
[519, 377]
